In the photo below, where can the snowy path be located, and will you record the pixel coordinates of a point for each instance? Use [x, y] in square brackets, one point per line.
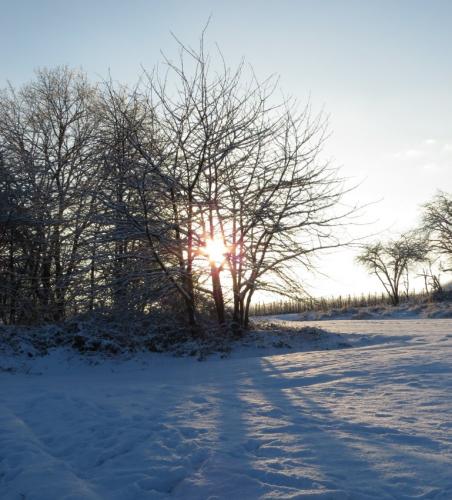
[368, 422]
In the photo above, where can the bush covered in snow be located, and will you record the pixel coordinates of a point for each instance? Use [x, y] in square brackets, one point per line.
[104, 336]
[96, 333]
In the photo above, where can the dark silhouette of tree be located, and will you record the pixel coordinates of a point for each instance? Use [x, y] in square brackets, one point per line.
[391, 261]
[437, 223]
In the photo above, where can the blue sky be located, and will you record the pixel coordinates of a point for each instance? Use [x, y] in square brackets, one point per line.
[381, 69]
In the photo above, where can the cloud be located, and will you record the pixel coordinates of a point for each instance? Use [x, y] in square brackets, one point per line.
[430, 154]
[409, 153]
[431, 166]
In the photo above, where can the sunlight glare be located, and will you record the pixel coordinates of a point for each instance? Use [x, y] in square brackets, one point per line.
[215, 250]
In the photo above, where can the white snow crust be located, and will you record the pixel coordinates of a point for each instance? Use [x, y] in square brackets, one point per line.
[371, 421]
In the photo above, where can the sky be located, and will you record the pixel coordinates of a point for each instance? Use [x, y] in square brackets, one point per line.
[381, 70]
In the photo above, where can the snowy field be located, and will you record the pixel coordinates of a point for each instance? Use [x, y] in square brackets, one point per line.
[373, 420]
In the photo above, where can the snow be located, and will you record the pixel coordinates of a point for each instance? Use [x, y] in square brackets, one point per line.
[373, 420]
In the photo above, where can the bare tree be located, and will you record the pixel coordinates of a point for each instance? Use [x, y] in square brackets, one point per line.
[437, 223]
[431, 278]
[391, 261]
[133, 221]
[47, 130]
[241, 170]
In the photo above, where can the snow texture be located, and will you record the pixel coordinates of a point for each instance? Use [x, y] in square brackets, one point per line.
[371, 421]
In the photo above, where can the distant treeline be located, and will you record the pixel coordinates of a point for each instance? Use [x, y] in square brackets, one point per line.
[328, 303]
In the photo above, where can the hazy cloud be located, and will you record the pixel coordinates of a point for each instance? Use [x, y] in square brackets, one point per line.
[431, 166]
[431, 154]
[409, 153]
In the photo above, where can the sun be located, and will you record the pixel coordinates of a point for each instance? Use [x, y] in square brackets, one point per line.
[215, 250]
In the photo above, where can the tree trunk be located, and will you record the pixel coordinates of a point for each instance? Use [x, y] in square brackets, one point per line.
[218, 294]
[246, 317]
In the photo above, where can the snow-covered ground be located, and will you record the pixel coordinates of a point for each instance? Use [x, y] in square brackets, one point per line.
[370, 421]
